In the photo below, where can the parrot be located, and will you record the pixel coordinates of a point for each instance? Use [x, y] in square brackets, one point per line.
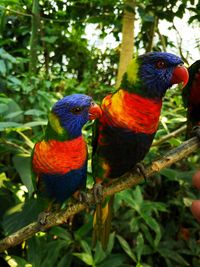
[191, 100]
[122, 136]
[59, 160]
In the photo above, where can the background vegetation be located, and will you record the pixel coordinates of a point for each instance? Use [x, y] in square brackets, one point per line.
[45, 54]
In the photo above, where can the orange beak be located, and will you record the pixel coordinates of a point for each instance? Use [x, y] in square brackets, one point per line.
[94, 111]
[180, 74]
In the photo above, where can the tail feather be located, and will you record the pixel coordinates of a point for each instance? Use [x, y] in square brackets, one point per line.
[102, 222]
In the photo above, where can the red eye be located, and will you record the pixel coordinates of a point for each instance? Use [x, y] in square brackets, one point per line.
[160, 64]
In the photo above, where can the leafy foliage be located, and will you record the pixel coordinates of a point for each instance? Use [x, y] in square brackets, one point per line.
[152, 224]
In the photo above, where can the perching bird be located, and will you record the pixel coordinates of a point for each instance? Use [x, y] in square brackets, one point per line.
[124, 133]
[191, 99]
[60, 159]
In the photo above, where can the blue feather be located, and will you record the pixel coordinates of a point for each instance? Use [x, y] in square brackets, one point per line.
[63, 109]
[156, 81]
[61, 187]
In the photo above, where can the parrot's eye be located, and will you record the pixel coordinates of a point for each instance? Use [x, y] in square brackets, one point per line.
[161, 64]
[76, 110]
[92, 103]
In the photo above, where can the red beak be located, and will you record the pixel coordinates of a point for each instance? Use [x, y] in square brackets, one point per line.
[94, 111]
[180, 74]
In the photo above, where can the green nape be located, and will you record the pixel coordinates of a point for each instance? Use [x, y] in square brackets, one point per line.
[130, 80]
[54, 130]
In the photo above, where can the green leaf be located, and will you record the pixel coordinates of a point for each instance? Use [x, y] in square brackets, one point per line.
[152, 223]
[34, 112]
[13, 114]
[65, 261]
[125, 246]
[62, 233]
[100, 254]
[5, 55]
[174, 256]
[85, 258]
[17, 261]
[53, 250]
[3, 108]
[22, 214]
[138, 195]
[139, 246]
[2, 67]
[22, 164]
[86, 247]
[115, 260]
[147, 234]
[35, 123]
[8, 124]
[134, 224]
[14, 80]
[50, 39]
[110, 243]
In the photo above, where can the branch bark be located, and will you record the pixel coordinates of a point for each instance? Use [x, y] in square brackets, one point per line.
[126, 181]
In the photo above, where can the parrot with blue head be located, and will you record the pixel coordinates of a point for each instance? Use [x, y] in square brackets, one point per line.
[59, 160]
[130, 117]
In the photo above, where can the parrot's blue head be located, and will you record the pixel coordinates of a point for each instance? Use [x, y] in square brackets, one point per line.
[151, 74]
[158, 71]
[69, 114]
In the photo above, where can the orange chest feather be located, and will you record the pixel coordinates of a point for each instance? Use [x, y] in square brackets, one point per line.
[59, 157]
[132, 111]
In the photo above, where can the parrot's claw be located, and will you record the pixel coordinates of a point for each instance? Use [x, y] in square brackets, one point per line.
[83, 198]
[80, 196]
[196, 131]
[42, 217]
[141, 170]
[98, 193]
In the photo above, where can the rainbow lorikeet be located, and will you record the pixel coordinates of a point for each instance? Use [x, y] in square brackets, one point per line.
[130, 116]
[60, 159]
[191, 99]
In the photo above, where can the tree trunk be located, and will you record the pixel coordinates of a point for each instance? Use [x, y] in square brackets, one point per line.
[127, 45]
[34, 36]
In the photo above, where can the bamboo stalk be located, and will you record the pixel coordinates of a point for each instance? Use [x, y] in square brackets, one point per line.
[35, 22]
[127, 44]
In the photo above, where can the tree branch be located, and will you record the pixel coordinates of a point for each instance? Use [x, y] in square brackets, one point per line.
[126, 181]
[170, 135]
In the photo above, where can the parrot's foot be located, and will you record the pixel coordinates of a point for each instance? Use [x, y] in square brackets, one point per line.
[141, 170]
[42, 217]
[98, 193]
[81, 196]
[196, 131]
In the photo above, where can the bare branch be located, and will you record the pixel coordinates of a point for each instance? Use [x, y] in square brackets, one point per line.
[170, 135]
[126, 181]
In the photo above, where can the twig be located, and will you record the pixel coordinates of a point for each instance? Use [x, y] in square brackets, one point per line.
[162, 40]
[170, 135]
[126, 181]
[14, 11]
[180, 41]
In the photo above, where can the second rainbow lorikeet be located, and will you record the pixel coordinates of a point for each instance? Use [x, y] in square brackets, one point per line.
[191, 99]
[124, 133]
[60, 159]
